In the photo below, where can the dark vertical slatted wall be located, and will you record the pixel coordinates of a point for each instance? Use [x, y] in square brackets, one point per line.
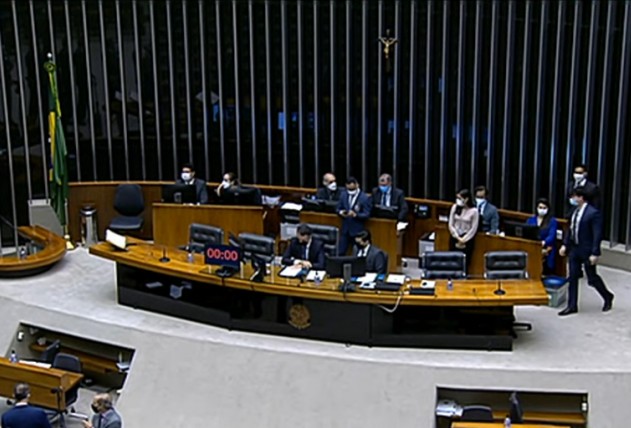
[509, 94]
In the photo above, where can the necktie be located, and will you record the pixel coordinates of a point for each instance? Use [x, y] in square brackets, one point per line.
[574, 225]
[383, 199]
[305, 256]
[481, 209]
[100, 423]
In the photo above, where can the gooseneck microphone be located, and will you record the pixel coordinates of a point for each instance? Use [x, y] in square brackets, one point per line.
[499, 291]
[164, 258]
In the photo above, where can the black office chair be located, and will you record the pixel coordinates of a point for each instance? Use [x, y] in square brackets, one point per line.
[129, 203]
[48, 355]
[327, 234]
[477, 413]
[260, 246]
[201, 234]
[506, 265]
[69, 363]
[443, 265]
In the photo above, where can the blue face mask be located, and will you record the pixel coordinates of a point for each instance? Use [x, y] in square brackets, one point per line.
[384, 189]
[573, 202]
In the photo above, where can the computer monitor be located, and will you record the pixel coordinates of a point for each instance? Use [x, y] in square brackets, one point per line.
[312, 204]
[179, 193]
[521, 230]
[241, 196]
[381, 211]
[48, 354]
[329, 206]
[516, 412]
[335, 266]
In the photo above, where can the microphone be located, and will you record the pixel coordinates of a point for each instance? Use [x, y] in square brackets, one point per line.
[164, 258]
[499, 291]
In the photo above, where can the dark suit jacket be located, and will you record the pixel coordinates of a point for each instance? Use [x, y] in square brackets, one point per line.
[376, 260]
[397, 198]
[200, 190]
[593, 196]
[325, 194]
[25, 417]
[590, 233]
[362, 206]
[547, 234]
[489, 218]
[295, 250]
[110, 419]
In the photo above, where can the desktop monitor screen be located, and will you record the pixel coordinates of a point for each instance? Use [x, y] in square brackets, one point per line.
[516, 412]
[335, 266]
[381, 211]
[312, 204]
[521, 230]
[179, 193]
[241, 196]
[51, 351]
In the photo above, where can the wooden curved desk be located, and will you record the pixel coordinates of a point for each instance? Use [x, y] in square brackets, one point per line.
[470, 316]
[54, 249]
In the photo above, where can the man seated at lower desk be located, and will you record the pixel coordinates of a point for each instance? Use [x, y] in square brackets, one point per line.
[376, 259]
[305, 250]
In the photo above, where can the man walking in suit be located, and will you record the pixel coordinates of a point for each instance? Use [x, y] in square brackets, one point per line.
[592, 191]
[582, 245]
[376, 259]
[23, 415]
[386, 195]
[354, 207]
[188, 177]
[304, 250]
[105, 416]
[489, 217]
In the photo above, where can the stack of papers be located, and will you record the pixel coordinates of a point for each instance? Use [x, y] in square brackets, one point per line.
[395, 279]
[291, 271]
[311, 276]
[448, 408]
[291, 206]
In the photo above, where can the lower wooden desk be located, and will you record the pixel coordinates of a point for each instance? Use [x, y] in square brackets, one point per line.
[485, 243]
[44, 383]
[53, 249]
[171, 221]
[501, 425]
[470, 316]
[383, 231]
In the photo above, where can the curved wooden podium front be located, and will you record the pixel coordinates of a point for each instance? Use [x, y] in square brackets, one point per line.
[54, 249]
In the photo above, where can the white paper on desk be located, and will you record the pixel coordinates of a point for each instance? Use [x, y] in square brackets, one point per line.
[36, 364]
[291, 206]
[311, 276]
[401, 225]
[291, 271]
[448, 408]
[428, 285]
[369, 277]
[395, 279]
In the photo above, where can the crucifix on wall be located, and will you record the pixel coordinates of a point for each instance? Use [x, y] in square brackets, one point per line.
[388, 47]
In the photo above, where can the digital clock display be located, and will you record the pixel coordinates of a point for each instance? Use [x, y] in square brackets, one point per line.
[222, 255]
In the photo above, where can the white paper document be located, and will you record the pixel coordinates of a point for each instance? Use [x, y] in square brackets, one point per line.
[395, 279]
[291, 271]
[311, 276]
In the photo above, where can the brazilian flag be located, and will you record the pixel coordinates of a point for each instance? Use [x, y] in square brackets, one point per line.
[58, 172]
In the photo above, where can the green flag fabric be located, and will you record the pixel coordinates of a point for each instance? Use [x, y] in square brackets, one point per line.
[58, 172]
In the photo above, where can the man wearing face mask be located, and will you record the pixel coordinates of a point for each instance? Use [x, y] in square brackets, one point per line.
[582, 246]
[386, 195]
[376, 259]
[187, 177]
[305, 250]
[489, 217]
[228, 182]
[329, 191]
[105, 416]
[579, 179]
[354, 207]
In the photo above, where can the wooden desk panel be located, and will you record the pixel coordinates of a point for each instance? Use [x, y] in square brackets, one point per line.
[89, 362]
[171, 221]
[383, 231]
[485, 243]
[501, 425]
[54, 250]
[41, 381]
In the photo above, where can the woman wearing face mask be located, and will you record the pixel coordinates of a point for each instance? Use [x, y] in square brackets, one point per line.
[547, 233]
[463, 224]
[230, 180]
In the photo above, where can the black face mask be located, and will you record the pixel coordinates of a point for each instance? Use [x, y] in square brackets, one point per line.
[94, 408]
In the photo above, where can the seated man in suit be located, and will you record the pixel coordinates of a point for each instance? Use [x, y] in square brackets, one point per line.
[386, 195]
[354, 207]
[230, 191]
[188, 177]
[329, 191]
[489, 217]
[376, 260]
[304, 250]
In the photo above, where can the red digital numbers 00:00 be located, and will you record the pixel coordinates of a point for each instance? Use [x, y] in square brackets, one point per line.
[218, 254]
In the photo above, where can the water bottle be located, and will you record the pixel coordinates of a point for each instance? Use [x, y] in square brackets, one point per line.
[507, 423]
[189, 255]
[450, 285]
[13, 358]
[317, 280]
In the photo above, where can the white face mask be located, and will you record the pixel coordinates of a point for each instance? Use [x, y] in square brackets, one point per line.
[479, 201]
[332, 186]
[460, 202]
[573, 202]
[225, 184]
[542, 212]
[352, 192]
[186, 176]
[578, 177]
